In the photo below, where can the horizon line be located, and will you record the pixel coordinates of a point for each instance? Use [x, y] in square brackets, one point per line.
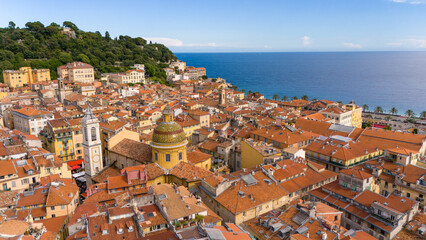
[336, 51]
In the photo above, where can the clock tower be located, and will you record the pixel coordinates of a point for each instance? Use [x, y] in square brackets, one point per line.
[93, 162]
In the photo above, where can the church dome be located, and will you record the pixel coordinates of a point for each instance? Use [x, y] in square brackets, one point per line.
[168, 133]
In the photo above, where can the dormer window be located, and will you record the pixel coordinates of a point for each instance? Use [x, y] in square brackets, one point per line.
[120, 231]
[105, 232]
[130, 228]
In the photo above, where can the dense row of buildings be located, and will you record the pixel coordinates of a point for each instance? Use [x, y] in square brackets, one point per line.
[124, 157]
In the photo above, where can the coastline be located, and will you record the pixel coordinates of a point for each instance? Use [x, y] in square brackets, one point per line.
[300, 73]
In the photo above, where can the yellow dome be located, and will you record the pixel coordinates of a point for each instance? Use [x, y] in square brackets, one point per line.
[168, 133]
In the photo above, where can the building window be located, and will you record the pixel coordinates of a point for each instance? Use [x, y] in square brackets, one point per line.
[85, 133]
[62, 206]
[167, 157]
[180, 156]
[156, 156]
[408, 194]
[93, 133]
[52, 208]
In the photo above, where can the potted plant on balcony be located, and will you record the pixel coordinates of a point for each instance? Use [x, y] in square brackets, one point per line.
[199, 218]
[178, 224]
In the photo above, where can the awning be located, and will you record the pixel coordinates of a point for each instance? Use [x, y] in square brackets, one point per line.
[74, 167]
[75, 162]
[79, 174]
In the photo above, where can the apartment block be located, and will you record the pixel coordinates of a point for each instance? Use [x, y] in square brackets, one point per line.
[77, 72]
[30, 120]
[25, 76]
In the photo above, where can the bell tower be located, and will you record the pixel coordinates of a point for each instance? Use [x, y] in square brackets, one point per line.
[222, 96]
[61, 90]
[93, 163]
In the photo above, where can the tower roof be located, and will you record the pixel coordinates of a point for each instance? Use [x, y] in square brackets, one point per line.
[89, 114]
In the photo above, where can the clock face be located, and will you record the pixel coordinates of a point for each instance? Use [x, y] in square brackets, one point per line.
[96, 158]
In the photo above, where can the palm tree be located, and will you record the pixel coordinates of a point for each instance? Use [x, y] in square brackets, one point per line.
[409, 113]
[284, 98]
[304, 97]
[243, 91]
[365, 107]
[294, 98]
[275, 97]
[423, 114]
[378, 109]
[314, 99]
[394, 111]
[250, 92]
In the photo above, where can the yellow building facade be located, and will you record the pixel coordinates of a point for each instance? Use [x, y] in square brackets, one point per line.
[25, 76]
[254, 153]
[63, 138]
[356, 118]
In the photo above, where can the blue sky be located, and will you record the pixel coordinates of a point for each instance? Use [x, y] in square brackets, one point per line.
[238, 26]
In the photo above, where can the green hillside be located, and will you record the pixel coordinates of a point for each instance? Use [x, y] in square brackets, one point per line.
[42, 46]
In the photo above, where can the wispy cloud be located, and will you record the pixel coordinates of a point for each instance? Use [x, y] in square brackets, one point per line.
[172, 42]
[201, 45]
[413, 2]
[409, 43]
[352, 45]
[417, 43]
[306, 41]
[394, 44]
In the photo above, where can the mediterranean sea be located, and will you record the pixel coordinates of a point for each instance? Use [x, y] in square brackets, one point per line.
[385, 79]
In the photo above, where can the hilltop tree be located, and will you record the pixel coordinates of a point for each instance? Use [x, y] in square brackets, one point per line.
[250, 92]
[284, 98]
[305, 97]
[12, 25]
[71, 25]
[394, 111]
[294, 98]
[35, 27]
[423, 114]
[107, 36]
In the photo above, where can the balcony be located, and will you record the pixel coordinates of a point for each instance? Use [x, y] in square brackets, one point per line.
[387, 220]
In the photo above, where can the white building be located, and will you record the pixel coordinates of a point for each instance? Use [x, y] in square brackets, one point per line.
[130, 76]
[30, 120]
[338, 115]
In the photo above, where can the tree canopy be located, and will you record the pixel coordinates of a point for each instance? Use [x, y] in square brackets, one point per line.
[40, 46]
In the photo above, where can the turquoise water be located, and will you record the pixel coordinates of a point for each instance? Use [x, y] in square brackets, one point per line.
[385, 79]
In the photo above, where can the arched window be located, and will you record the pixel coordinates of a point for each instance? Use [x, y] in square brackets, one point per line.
[93, 133]
[85, 134]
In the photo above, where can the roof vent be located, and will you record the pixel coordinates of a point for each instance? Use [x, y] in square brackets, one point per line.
[241, 194]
